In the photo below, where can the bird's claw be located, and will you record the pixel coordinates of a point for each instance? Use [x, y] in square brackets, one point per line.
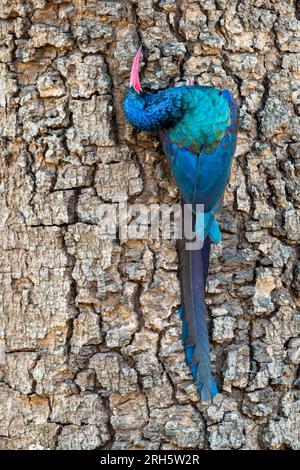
[190, 81]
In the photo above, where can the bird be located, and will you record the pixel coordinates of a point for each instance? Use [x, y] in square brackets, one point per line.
[197, 127]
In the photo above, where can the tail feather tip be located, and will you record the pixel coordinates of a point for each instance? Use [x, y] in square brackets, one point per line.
[208, 395]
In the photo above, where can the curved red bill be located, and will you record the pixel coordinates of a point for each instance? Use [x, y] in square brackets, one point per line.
[134, 78]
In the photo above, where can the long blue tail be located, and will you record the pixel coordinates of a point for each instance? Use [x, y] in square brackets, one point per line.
[193, 275]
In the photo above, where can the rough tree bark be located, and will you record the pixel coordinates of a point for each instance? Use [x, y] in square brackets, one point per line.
[90, 342]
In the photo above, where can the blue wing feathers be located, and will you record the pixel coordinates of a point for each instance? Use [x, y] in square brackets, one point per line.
[202, 178]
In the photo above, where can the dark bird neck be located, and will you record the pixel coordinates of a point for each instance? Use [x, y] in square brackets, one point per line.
[152, 112]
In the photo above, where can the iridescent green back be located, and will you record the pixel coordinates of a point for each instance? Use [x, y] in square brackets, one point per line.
[205, 121]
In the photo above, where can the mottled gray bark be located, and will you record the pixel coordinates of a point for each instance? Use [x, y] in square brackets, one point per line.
[90, 341]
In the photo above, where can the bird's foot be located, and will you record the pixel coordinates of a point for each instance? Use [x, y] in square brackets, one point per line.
[190, 81]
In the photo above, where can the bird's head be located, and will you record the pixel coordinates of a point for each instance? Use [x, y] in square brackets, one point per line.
[135, 100]
[149, 111]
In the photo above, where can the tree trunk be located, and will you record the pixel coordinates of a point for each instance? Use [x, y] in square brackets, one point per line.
[90, 338]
